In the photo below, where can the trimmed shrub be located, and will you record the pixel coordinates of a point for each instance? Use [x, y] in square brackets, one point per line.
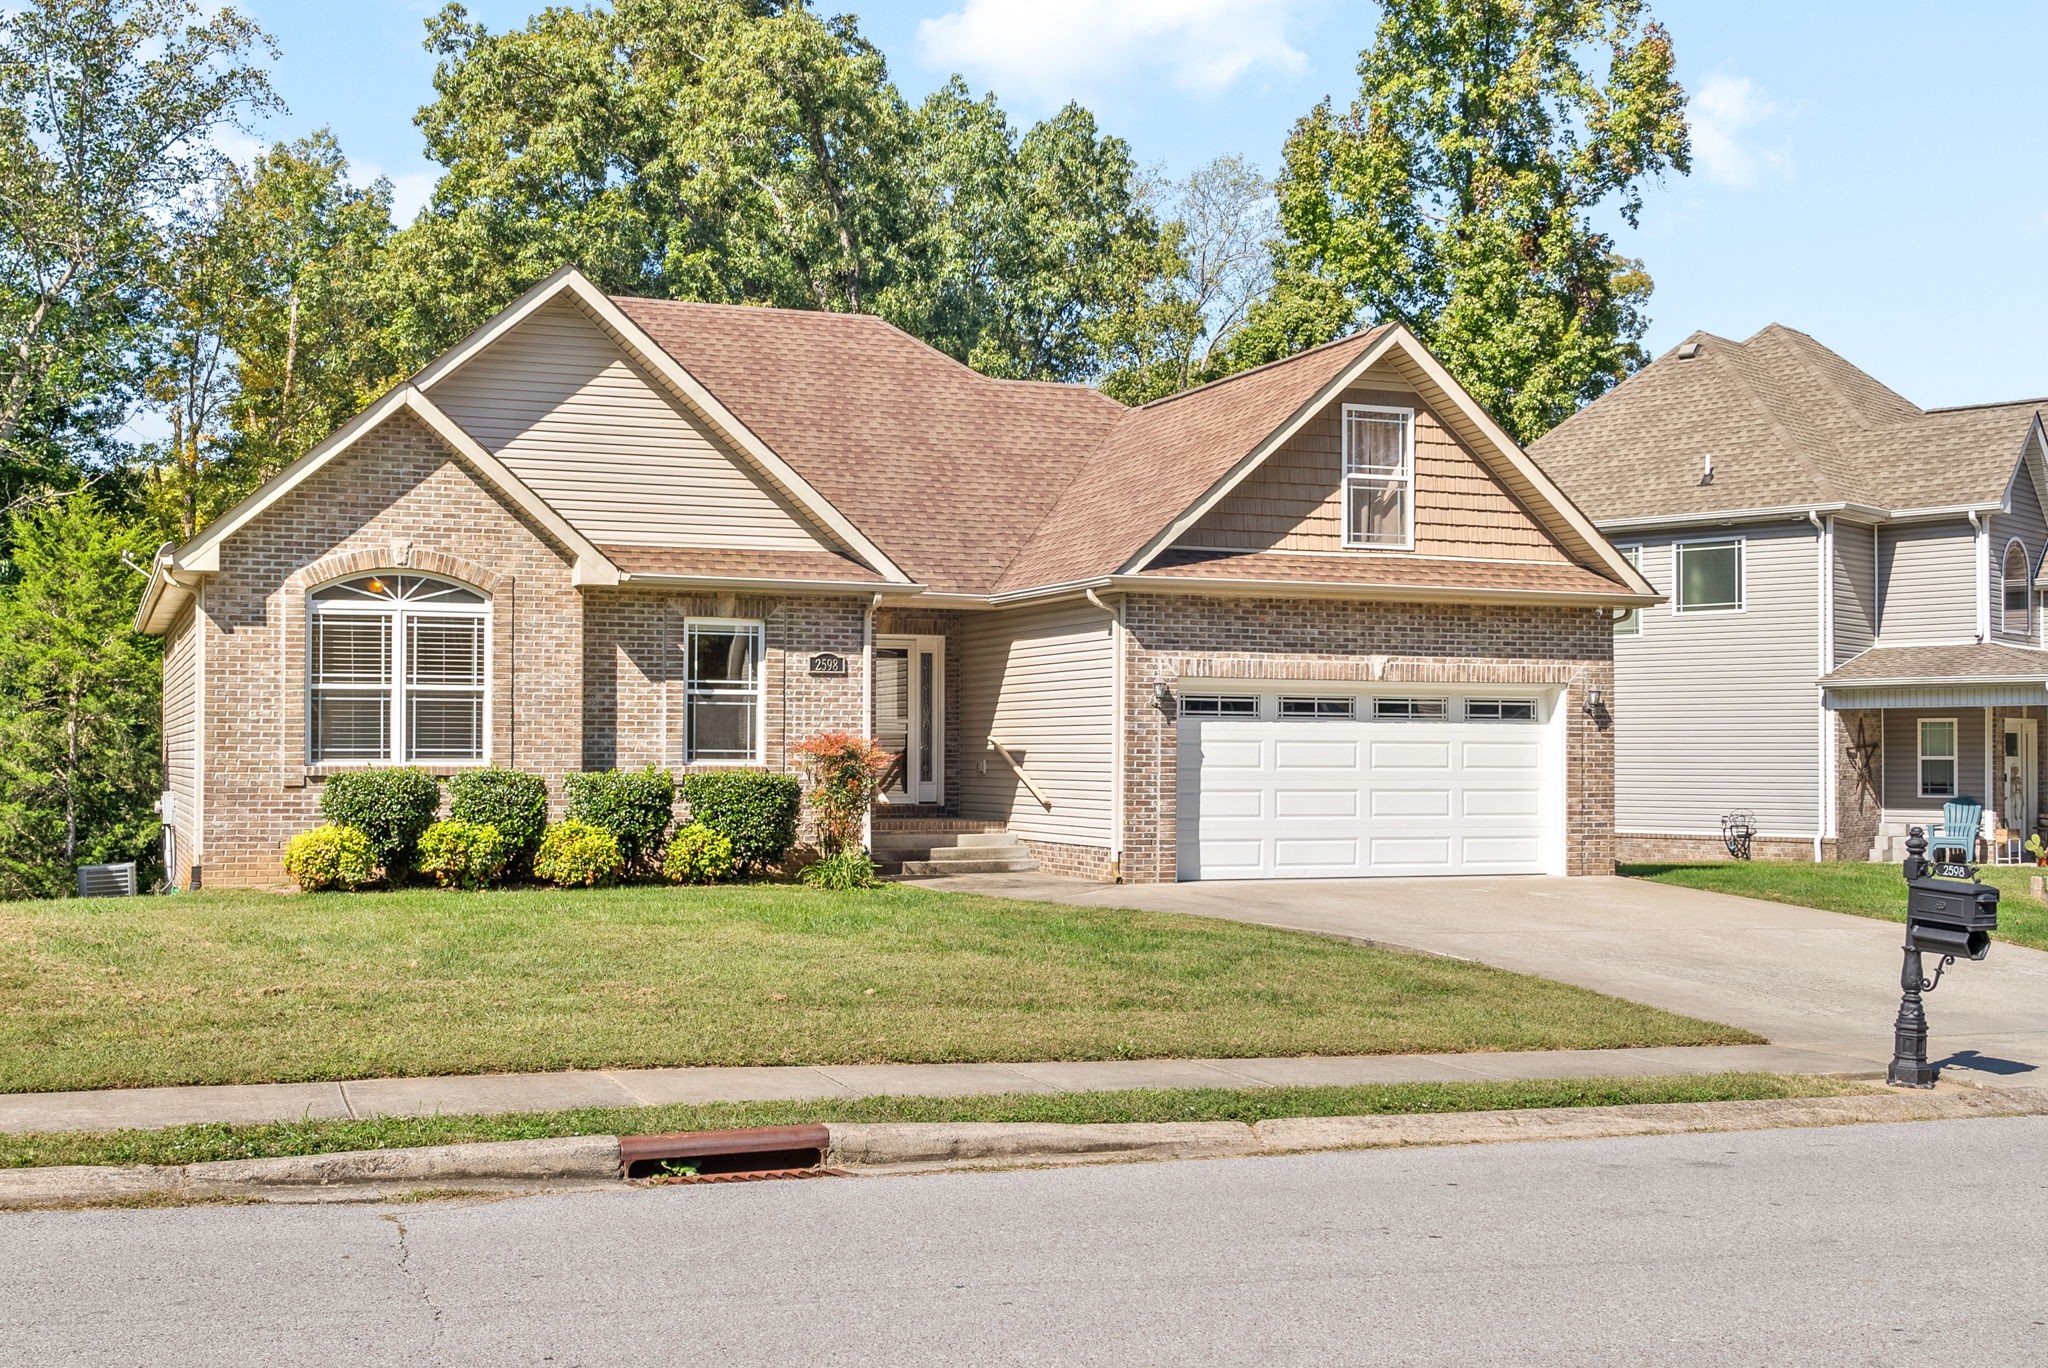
[461, 854]
[635, 806]
[330, 857]
[754, 810]
[515, 803]
[390, 806]
[577, 855]
[848, 868]
[697, 855]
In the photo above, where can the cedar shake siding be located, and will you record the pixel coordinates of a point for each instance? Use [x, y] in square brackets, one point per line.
[397, 500]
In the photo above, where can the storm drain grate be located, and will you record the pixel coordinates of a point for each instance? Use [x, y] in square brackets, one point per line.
[758, 1176]
[751, 1152]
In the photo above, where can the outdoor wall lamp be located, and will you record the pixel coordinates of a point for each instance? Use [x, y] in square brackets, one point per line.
[1593, 697]
[1161, 694]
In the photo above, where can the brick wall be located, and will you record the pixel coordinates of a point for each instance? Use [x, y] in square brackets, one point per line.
[1172, 636]
[397, 500]
[1859, 782]
[1639, 847]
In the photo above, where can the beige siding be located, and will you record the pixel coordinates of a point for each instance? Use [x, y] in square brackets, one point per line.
[1040, 682]
[1927, 573]
[1293, 502]
[1855, 589]
[602, 442]
[181, 742]
[2026, 523]
[1902, 800]
[1714, 712]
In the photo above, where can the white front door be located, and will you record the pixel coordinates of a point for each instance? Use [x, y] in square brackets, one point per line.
[910, 716]
[1448, 790]
[2019, 776]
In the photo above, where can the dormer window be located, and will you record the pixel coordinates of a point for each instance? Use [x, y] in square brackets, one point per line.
[1379, 477]
[2019, 594]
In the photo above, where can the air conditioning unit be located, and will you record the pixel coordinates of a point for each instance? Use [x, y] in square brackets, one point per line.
[107, 881]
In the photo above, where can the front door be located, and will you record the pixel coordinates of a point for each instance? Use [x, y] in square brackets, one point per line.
[910, 716]
[2019, 776]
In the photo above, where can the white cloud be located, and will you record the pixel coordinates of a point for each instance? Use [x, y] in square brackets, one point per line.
[1727, 114]
[1055, 50]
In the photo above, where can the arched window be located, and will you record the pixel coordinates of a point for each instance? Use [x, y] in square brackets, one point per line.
[397, 670]
[2019, 593]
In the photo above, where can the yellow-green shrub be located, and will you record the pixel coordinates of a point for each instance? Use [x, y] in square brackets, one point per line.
[697, 855]
[330, 857]
[461, 854]
[576, 854]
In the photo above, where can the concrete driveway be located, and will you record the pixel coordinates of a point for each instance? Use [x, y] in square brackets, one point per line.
[1817, 981]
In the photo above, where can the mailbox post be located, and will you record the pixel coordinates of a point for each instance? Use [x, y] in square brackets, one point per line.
[1948, 913]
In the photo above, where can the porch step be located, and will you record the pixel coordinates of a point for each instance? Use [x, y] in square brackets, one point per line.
[936, 869]
[916, 843]
[935, 853]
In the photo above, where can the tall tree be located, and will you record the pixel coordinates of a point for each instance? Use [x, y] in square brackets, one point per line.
[79, 755]
[107, 108]
[1461, 193]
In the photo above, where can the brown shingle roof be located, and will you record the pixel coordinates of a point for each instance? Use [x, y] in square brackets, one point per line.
[722, 563]
[1388, 573]
[1788, 423]
[1882, 664]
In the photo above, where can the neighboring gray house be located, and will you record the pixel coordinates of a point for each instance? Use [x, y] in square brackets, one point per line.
[1853, 632]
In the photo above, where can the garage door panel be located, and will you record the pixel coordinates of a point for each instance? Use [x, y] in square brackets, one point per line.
[1411, 802]
[1495, 755]
[1412, 852]
[1226, 803]
[1315, 755]
[1411, 755]
[1315, 858]
[1304, 802]
[1501, 802]
[1234, 859]
[1224, 755]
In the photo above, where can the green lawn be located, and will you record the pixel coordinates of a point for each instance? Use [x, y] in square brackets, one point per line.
[1865, 890]
[195, 1144]
[244, 987]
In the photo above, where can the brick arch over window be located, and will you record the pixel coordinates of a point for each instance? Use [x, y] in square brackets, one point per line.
[501, 747]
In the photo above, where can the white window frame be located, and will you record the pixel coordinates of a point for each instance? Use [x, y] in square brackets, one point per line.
[725, 692]
[1678, 550]
[1631, 623]
[1200, 713]
[1954, 758]
[1354, 477]
[1319, 708]
[1437, 709]
[398, 739]
[2015, 621]
[1500, 706]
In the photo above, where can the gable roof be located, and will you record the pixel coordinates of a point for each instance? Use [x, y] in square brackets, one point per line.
[1789, 425]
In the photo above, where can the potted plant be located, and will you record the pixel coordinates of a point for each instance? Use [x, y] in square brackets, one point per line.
[2038, 849]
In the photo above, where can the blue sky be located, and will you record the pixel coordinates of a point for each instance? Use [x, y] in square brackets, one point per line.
[1871, 172]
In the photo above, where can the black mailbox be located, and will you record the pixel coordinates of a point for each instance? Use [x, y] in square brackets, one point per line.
[1950, 917]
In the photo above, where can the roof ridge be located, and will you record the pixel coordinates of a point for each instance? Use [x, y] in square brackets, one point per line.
[1988, 404]
[1206, 385]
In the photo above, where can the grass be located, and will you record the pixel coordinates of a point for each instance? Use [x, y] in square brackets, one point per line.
[196, 1144]
[1862, 890]
[246, 987]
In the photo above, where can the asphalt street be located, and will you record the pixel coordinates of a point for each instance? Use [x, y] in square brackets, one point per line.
[1913, 1243]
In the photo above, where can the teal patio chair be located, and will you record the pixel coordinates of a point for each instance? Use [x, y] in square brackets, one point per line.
[1962, 821]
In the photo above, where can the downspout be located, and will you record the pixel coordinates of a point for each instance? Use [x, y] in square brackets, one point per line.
[1824, 809]
[1983, 528]
[1116, 734]
[867, 704]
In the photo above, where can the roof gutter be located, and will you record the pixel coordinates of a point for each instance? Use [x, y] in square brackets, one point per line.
[167, 592]
[1385, 592]
[1795, 513]
[758, 584]
[1933, 681]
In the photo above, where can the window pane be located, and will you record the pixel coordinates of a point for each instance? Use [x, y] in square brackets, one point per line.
[1501, 710]
[1938, 778]
[444, 726]
[1710, 576]
[1400, 709]
[1211, 705]
[1938, 738]
[1334, 709]
[720, 729]
[892, 708]
[348, 649]
[444, 650]
[352, 726]
[722, 655]
[1632, 623]
[1375, 512]
[1376, 442]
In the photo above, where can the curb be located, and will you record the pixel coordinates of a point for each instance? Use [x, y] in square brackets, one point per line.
[372, 1175]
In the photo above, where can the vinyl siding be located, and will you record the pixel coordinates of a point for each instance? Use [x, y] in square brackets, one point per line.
[1039, 681]
[1928, 578]
[2025, 522]
[1714, 712]
[602, 442]
[1902, 800]
[181, 740]
[1855, 589]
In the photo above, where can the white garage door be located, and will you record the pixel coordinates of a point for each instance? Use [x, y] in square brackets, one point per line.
[1454, 787]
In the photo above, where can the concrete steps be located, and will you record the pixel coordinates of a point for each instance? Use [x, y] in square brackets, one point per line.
[935, 854]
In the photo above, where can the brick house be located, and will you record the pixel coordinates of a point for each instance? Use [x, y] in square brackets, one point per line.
[1322, 618]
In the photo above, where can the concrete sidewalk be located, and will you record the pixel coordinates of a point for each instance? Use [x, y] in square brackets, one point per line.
[152, 1108]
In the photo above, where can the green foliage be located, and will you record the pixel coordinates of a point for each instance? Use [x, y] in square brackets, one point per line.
[458, 854]
[513, 802]
[330, 857]
[635, 806]
[1460, 192]
[390, 806]
[697, 855]
[576, 854]
[847, 868]
[754, 810]
[79, 713]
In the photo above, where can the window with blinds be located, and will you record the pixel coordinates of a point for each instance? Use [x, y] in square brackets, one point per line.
[722, 692]
[397, 671]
